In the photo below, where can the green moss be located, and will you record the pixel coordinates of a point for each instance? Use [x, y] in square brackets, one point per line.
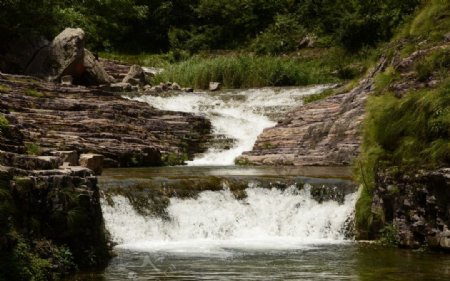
[175, 159]
[3, 122]
[33, 93]
[241, 161]
[5, 88]
[323, 95]
[33, 148]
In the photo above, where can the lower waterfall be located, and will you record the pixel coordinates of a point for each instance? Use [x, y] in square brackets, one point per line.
[216, 220]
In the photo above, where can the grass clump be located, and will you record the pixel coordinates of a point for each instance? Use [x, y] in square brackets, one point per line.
[408, 133]
[33, 149]
[5, 88]
[432, 21]
[437, 62]
[33, 93]
[320, 96]
[3, 122]
[247, 71]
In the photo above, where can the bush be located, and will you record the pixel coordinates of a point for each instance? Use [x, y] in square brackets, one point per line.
[283, 36]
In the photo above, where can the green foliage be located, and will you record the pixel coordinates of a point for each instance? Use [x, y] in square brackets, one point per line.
[283, 36]
[174, 159]
[3, 122]
[4, 88]
[389, 236]
[33, 93]
[384, 79]
[270, 27]
[245, 71]
[33, 148]
[438, 61]
[432, 21]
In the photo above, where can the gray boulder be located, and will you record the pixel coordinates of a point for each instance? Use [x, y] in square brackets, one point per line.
[135, 75]
[64, 56]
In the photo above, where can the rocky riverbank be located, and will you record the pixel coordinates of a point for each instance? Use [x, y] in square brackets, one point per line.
[323, 133]
[58, 129]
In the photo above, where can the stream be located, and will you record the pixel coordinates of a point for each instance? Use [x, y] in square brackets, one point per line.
[211, 220]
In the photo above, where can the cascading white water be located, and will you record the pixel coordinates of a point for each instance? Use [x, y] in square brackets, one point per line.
[239, 115]
[216, 220]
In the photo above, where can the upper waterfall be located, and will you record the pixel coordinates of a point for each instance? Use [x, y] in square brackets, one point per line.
[237, 115]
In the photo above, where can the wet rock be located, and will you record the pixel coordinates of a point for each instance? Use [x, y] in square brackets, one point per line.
[93, 162]
[214, 86]
[188, 90]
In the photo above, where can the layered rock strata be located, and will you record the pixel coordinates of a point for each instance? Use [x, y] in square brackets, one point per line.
[323, 133]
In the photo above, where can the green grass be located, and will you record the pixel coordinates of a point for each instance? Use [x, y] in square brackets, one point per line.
[320, 96]
[432, 21]
[33, 93]
[3, 121]
[33, 149]
[5, 88]
[247, 71]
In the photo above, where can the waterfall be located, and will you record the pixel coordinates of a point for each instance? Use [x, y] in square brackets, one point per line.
[215, 220]
[237, 115]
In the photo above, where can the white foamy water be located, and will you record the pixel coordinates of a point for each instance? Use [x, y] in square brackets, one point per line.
[239, 115]
[216, 221]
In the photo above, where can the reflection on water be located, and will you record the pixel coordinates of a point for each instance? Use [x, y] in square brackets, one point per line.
[204, 171]
[320, 262]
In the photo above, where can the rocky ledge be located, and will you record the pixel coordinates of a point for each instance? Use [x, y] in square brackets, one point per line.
[416, 205]
[323, 133]
[54, 117]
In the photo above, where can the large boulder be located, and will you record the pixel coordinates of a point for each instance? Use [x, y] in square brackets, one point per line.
[64, 56]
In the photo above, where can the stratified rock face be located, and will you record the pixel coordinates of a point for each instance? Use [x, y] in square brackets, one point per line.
[323, 133]
[127, 133]
[417, 205]
[59, 206]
